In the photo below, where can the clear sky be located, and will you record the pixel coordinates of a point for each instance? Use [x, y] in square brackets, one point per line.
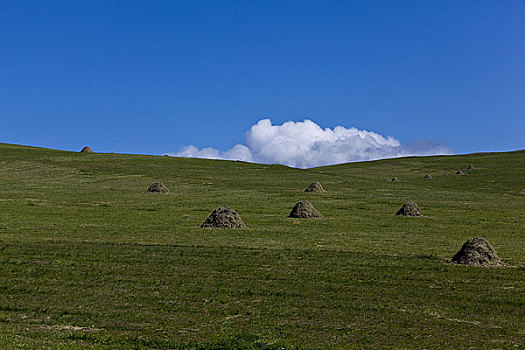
[154, 76]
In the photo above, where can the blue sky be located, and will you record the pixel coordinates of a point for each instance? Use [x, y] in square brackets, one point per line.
[154, 76]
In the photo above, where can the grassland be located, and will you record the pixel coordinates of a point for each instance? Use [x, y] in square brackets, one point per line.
[88, 260]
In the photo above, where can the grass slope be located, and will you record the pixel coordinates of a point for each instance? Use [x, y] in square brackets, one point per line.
[87, 259]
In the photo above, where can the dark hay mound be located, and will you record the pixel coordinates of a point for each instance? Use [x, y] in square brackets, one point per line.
[428, 176]
[157, 187]
[409, 209]
[394, 179]
[304, 210]
[223, 217]
[471, 167]
[86, 149]
[459, 172]
[315, 187]
[477, 252]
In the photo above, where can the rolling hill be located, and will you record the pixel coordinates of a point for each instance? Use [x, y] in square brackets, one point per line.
[88, 259]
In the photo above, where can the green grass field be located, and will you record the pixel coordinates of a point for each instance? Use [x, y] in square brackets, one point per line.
[88, 260]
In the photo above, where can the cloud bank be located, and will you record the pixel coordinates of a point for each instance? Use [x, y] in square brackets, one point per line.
[305, 144]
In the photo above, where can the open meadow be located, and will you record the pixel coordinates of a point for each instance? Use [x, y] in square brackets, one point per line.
[89, 260]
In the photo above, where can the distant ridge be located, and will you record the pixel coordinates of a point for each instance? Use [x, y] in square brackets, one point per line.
[481, 154]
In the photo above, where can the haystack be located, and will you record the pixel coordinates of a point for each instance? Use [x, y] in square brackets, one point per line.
[157, 187]
[522, 191]
[315, 187]
[477, 252]
[394, 179]
[304, 210]
[409, 209]
[428, 176]
[459, 172]
[223, 217]
[471, 167]
[86, 149]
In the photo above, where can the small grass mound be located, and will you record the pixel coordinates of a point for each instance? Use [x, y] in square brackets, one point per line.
[428, 176]
[304, 210]
[86, 149]
[409, 209]
[477, 252]
[223, 217]
[315, 187]
[157, 187]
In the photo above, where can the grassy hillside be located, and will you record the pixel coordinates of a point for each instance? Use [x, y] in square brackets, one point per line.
[87, 259]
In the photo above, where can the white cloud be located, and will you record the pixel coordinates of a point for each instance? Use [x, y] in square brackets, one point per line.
[305, 144]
